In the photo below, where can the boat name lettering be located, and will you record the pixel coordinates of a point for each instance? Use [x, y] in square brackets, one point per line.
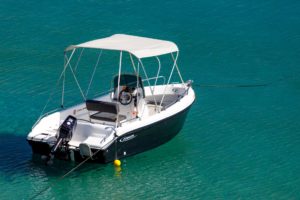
[125, 139]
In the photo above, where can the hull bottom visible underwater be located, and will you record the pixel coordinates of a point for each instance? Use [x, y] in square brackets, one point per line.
[129, 144]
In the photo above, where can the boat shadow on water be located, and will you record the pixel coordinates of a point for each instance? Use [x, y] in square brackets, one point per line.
[18, 160]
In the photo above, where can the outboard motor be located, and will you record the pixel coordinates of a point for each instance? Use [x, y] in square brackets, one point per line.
[65, 133]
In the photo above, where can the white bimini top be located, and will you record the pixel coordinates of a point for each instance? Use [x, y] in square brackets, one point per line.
[141, 47]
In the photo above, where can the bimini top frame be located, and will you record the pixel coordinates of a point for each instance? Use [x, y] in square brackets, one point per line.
[140, 47]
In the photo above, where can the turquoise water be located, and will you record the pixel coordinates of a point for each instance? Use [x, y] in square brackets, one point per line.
[237, 142]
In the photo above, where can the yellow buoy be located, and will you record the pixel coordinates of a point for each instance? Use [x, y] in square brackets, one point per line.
[117, 163]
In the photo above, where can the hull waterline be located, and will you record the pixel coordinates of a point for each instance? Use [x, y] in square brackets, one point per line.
[129, 144]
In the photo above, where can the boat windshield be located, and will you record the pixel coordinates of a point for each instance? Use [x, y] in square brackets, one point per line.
[129, 80]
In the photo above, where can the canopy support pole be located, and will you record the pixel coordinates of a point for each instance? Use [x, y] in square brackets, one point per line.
[63, 74]
[56, 85]
[137, 86]
[159, 66]
[75, 69]
[164, 93]
[63, 87]
[120, 69]
[93, 74]
[68, 64]
[119, 79]
[177, 67]
[151, 89]
[132, 62]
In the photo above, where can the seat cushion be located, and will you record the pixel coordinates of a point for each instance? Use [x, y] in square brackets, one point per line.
[105, 116]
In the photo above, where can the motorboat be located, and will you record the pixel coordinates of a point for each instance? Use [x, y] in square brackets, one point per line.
[136, 114]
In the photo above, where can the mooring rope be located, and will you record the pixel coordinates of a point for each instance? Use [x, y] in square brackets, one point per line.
[63, 176]
[229, 85]
[237, 85]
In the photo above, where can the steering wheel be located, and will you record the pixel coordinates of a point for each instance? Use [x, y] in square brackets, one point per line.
[125, 97]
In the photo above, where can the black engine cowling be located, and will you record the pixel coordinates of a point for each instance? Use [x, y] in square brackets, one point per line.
[65, 132]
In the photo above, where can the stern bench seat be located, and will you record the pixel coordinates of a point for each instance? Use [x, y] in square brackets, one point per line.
[105, 111]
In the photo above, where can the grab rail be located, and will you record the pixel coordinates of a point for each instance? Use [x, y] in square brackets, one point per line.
[158, 77]
[44, 115]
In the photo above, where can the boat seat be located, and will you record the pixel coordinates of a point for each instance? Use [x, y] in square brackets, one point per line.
[105, 111]
[168, 100]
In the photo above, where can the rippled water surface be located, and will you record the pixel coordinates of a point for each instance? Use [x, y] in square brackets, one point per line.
[239, 141]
